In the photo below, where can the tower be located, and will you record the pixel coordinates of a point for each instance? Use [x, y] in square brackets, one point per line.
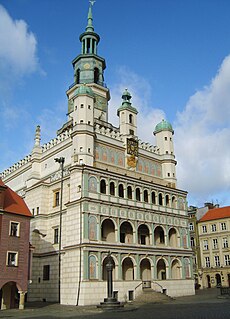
[89, 70]
[164, 141]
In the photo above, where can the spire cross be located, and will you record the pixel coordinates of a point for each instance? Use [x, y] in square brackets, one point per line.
[92, 2]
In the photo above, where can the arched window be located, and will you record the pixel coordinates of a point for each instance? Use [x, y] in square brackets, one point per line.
[161, 269]
[129, 192]
[112, 188]
[145, 269]
[96, 75]
[108, 231]
[167, 200]
[126, 233]
[130, 118]
[103, 186]
[153, 198]
[138, 194]
[160, 199]
[143, 235]
[127, 269]
[192, 241]
[173, 202]
[146, 196]
[121, 190]
[159, 236]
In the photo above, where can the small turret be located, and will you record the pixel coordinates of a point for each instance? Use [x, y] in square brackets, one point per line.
[127, 115]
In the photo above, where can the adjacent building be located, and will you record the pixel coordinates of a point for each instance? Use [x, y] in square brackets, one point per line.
[96, 188]
[14, 248]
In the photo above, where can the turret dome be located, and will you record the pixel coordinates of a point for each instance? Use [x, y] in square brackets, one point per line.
[83, 89]
[163, 126]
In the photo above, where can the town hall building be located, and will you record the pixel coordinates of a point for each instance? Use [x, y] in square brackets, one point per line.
[96, 188]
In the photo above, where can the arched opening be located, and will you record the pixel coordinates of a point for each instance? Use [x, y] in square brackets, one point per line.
[160, 199]
[10, 296]
[127, 269]
[145, 269]
[159, 236]
[153, 198]
[130, 118]
[143, 235]
[167, 202]
[176, 269]
[96, 75]
[112, 188]
[104, 270]
[208, 281]
[103, 186]
[126, 233]
[121, 190]
[173, 238]
[173, 202]
[108, 231]
[146, 196]
[218, 279]
[78, 76]
[161, 269]
[129, 192]
[138, 194]
[192, 241]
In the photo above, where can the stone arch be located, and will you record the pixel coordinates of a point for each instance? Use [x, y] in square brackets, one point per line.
[159, 236]
[127, 269]
[138, 194]
[173, 237]
[161, 269]
[103, 186]
[176, 269]
[104, 271]
[160, 199]
[143, 234]
[10, 295]
[112, 188]
[126, 232]
[108, 230]
[153, 197]
[129, 192]
[121, 190]
[146, 196]
[145, 269]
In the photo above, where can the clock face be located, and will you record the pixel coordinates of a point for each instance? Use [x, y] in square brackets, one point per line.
[86, 66]
[132, 147]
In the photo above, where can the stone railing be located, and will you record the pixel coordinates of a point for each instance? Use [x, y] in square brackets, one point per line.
[148, 147]
[107, 131]
[16, 166]
[57, 140]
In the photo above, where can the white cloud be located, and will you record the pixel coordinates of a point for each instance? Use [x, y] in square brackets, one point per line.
[202, 136]
[18, 46]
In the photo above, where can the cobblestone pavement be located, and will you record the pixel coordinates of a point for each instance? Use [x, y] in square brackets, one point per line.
[206, 304]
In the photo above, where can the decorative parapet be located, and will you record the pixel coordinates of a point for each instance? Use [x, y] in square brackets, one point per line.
[108, 131]
[57, 140]
[57, 175]
[16, 166]
[148, 147]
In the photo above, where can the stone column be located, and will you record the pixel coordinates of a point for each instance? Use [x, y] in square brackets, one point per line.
[22, 299]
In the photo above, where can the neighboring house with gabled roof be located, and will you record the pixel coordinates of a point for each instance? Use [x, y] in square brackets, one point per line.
[214, 238]
[14, 248]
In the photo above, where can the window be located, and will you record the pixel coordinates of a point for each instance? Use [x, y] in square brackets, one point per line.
[130, 118]
[103, 186]
[82, 106]
[217, 261]
[160, 199]
[89, 107]
[192, 242]
[33, 210]
[12, 259]
[204, 229]
[81, 149]
[138, 194]
[56, 198]
[213, 227]
[215, 243]
[146, 196]
[120, 190]
[207, 262]
[191, 227]
[131, 132]
[153, 198]
[129, 192]
[205, 244]
[46, 272]
[223, 226]
[37, 210]
[56, 233]
[14, 229]
[225, 242]
[165, 138]
[112, 188]
[227, 260]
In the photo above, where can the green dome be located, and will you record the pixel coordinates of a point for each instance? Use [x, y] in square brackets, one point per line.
[163, 126]
[83, 89]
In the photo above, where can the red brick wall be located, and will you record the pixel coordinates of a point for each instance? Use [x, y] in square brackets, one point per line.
[19, 244]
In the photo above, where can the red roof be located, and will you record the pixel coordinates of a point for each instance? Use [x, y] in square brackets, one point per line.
[216, 213]
[13, 203]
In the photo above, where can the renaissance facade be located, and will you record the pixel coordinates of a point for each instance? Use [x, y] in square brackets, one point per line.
[106, 191]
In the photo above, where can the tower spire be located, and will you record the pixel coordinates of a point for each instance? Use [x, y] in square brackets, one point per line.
[90, 27]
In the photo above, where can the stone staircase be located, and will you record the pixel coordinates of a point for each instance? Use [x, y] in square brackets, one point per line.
[148, 295]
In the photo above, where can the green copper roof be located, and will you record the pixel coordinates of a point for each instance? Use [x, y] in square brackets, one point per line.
[163, 126]
[126, 104]
[90, 27]
[83, 89]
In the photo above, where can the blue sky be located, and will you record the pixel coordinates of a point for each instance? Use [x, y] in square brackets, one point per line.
[172, 55]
